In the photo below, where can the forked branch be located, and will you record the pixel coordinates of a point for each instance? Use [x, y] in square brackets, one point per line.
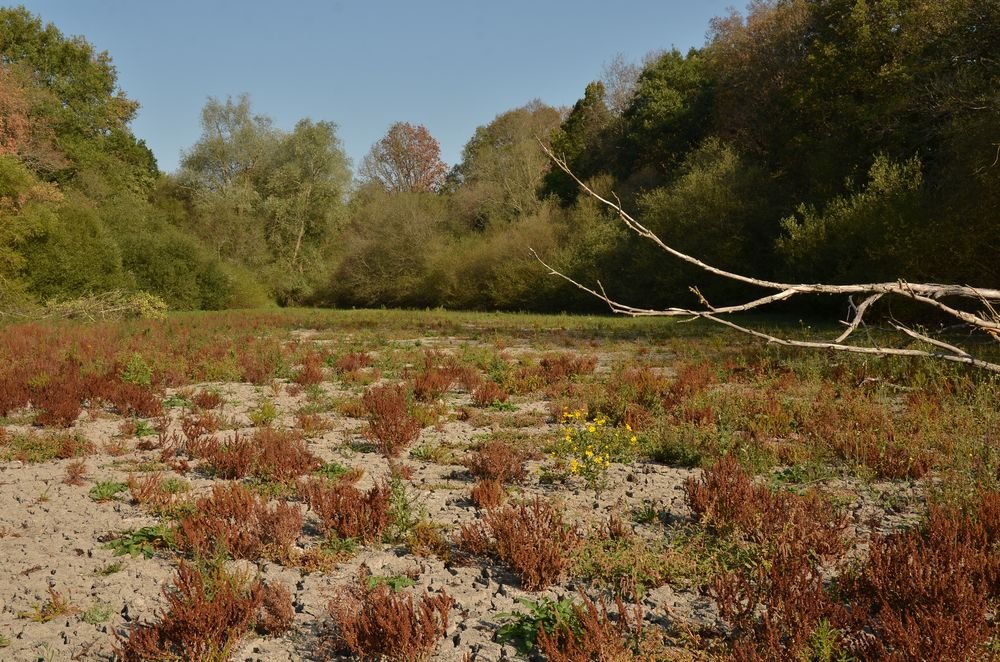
[930, 294]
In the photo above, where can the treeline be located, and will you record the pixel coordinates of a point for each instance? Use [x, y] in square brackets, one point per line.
[812, 140]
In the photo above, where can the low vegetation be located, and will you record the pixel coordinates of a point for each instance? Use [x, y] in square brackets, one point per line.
[825, 510]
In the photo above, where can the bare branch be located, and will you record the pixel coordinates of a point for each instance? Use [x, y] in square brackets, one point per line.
[929, 294]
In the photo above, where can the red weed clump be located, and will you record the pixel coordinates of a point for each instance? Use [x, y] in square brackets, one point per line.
[488, 493]
[135, 400]
[231, 459]
[282, 455]
[557, 367]
[691, 379]
[863, 430]
[928, 594]
[529, 537]
[258, 360]
[148, 490]
[205, 400]
[276, 613]
[375, 623]
[236, 520]
[487, 393]
[632, 395]
[352, 362]
[497, 460]
[196, 428]
[207, 615]
[268, 454]
[435, 379]
[57, 399]
[347, 510]
[776, 601]
[391, 427]
[311, 371]
[596, 636]
[75, 471]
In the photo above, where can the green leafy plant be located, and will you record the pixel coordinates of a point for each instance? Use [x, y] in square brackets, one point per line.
[394, 582]
[98, 612]
[403, 514]
[520, 629]
[137, 371]
[265, 414]
[177, 401]
[332, 470]
[110, 569]
[145, 541]
[106, 490]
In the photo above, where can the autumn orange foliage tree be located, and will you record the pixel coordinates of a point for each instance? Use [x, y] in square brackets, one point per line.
[406, 159]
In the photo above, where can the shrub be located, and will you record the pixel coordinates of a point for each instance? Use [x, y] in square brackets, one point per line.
[497, 460]
[207, 614]
[487, 393]
[311, 371]
[276, 610]
[207, 399]
[927, 594]
[346, 510]
[374, 623]
[488, 493]
[237, 521]
[593, 635]
[529, 537]
[776, 600]
[268, 454]
[390, 426]
[352, 362]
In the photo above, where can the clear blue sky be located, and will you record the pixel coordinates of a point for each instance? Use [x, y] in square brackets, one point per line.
[451, 65]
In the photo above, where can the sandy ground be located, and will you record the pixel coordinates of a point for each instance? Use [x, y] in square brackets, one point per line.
[52, 537]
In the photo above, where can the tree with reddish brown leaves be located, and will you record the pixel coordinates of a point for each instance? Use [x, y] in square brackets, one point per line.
[406, 160]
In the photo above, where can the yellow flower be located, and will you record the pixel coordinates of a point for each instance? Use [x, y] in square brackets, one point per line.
[589, 453]
[573, 466]
[628, 427]
[591, 429]
[633, 439]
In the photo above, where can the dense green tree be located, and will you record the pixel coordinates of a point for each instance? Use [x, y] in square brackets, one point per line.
[306, 184]
[264, 199]
[503, 167]
[581, 141]
[89, 115]
[384, 257]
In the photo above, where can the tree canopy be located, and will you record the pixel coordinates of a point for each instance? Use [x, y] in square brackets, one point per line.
[811, 140]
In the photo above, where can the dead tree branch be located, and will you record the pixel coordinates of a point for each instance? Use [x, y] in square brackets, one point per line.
[930, 294]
